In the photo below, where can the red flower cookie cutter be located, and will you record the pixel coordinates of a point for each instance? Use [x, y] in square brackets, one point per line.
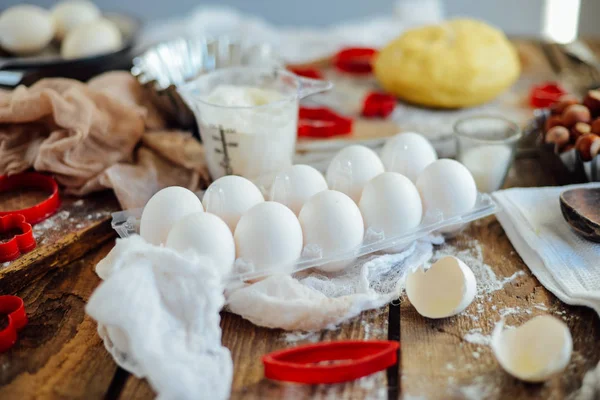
[40, 211]
[321, 122]
[14, 307]
[546, 94]
[18, 244]
[355, 60]
[307, 364]
[378, 105]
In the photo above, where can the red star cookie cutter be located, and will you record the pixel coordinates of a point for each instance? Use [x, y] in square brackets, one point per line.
[352, 359]
[14, 308]
[40, 211]
[18, 244]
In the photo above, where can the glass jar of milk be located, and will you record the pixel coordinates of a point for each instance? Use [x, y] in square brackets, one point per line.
[248, 118]
[487, 147]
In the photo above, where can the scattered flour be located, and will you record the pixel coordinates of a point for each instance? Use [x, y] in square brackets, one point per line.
[78, 203]
[6, 264]
[476, 337]
[476, 354]
[293, 337]
[510, 311]
[478, 390]
[487, 281]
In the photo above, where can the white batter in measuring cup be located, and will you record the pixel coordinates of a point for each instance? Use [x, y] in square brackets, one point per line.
[248, 118]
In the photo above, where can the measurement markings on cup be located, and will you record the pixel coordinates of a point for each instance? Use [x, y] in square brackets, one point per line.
[226, 161]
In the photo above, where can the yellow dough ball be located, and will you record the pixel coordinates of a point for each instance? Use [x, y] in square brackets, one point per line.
[458, 63]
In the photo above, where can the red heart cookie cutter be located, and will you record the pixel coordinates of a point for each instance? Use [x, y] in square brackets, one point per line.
[14, 307]
[308, 364]
[18, 244]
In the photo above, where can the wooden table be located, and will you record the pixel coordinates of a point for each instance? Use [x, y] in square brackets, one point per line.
[59, 355]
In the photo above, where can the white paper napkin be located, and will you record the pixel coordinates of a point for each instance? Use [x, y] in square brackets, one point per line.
[566, 264]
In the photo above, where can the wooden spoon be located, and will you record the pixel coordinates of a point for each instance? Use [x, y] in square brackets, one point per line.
[581, 209]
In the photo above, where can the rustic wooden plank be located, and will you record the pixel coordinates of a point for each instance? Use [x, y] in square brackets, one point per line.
[79, 226]
[59, 354]
[248, 343]
[439, 358]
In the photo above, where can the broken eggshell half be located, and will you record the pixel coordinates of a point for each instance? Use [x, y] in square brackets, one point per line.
[443, 290]
[535, 351]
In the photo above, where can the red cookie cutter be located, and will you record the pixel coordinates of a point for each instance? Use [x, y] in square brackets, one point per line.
[18, 244]
[355, 60]
[546, 94]
[321, 122]
[378, 105]
[307, 364]
[14, 307]
[40, 211]
[307, 72]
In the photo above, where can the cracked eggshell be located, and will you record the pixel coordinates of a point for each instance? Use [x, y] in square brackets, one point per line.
[25, 29]
[535, 351]
[408, 154]
[295, 185]
[206, 235]
[332, 222]
[164, 210]
[269, 237]
[229, 197]
[447, 288]
[351, 168]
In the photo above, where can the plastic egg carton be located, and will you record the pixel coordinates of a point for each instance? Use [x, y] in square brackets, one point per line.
[127, 223]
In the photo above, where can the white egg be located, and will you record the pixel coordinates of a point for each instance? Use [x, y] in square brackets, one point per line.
[408, 154]
[536, 350]
[351, 169]
[269, 237]
[207, 235]
[164, 210]
[25, 29]
[445, 289]
[448, 187]
[229, 197]
[390, 203]
[295, 185]
[97, 37]
[332, 222]
[69, 14]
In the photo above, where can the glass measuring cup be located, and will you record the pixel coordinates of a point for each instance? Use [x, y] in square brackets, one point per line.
[249, 140]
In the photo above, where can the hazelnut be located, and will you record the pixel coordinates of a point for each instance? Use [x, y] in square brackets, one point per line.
[552, 121]
[592, 101]
[565, 101]
[559, 135]
[580, 128]
[596, 126]
[584, 146]
[575, 113]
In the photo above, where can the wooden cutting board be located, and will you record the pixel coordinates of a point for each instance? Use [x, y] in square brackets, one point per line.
[80, 225]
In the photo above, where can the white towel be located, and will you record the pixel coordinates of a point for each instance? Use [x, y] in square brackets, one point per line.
[566, 264]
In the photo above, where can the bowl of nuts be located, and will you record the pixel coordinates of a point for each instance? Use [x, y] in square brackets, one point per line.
[569, 134]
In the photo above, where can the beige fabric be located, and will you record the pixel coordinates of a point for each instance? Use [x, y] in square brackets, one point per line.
[87, 135]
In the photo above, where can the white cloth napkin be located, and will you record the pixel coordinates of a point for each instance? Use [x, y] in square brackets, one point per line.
[566, 264]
